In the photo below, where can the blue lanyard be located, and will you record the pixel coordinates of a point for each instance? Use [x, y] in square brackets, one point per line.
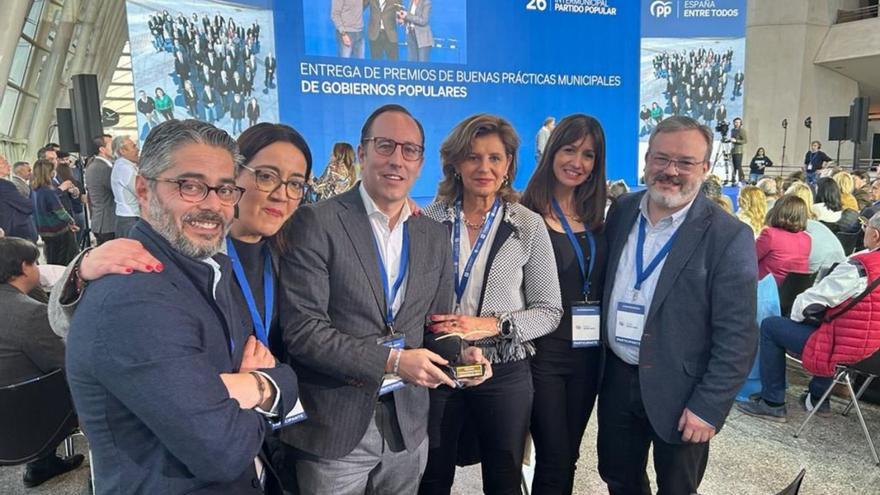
[391, 292]
[585, 273]
[641, 273]
[261, 327]
[461, 282]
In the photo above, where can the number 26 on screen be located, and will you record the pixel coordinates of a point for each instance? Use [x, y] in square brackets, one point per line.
[537, 5]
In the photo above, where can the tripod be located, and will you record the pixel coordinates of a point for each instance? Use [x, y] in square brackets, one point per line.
[723, 152]
[784, 140]
[86, 240]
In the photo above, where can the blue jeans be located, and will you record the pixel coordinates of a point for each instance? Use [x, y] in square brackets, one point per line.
[811, 178]
[779, 334]
[236, 126]
[754, 178]
[355, 50]
[211, 113]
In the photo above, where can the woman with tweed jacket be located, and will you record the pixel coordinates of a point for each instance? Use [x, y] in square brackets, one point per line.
[507, 295]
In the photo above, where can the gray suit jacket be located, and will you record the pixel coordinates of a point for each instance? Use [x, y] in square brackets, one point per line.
[102, 205]
[332, 309]
[23, 187]
[420, 23]
[700, 334]
[28, 348]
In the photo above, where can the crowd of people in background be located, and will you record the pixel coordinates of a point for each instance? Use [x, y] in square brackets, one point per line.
[696, 81]
[216, 62]
[186, 301]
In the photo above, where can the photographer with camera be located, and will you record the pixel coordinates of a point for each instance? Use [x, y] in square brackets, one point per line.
[738, 138]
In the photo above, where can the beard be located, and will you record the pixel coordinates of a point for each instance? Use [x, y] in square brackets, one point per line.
[672, 200]
[164, 223]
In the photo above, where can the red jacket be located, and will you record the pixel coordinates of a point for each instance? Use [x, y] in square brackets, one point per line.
[852, 336]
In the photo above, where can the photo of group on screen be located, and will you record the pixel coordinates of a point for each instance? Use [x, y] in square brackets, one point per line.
[217, 68]
[381, 25]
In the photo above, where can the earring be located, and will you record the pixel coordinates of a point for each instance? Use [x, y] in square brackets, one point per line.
[506, 181]
[457, 176]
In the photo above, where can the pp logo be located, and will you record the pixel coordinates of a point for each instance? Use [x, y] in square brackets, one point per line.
[661, 8]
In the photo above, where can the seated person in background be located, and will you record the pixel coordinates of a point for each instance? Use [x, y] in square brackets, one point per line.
[825, 250]
[862, 191]
[711, 187]
[784, 246]
[809, 333]
[752, 208]
[829, 208]
[28, 348]
[771, 190]
[847, 186]
[874, 206]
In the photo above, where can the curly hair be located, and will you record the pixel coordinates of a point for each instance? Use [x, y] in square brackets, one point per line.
[752, 207]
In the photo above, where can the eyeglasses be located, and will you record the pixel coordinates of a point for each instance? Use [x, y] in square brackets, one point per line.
[268, 181]
[682, 166]
[386, 147]
[194, 191]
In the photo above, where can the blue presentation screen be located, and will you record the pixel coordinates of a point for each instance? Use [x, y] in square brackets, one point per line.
[523, 60]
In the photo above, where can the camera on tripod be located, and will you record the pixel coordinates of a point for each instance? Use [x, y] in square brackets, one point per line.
[723, 128]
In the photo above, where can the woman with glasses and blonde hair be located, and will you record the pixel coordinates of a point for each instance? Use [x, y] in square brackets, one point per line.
[752, 208]
[825, 250]
[784, 245]
[506, 296]
[568, 191]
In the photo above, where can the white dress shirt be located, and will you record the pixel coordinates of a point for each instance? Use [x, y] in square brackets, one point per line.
[656, 236]
[390, 242]
[470, 300]
[122, 179]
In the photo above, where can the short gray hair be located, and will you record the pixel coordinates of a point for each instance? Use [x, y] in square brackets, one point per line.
[874, 221]
[117, 144]
[168, 136]
[679, 123]
[768, 185]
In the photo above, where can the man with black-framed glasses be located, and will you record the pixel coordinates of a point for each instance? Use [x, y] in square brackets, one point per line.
[163, 363]
[679, 318]
[367, 274]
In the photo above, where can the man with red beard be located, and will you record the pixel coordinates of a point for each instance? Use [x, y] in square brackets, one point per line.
[679, 319]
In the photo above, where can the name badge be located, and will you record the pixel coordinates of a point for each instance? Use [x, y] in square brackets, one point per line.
[585, 324]
[390, 383]
[630, 323]
[295, 415]
[393, 341]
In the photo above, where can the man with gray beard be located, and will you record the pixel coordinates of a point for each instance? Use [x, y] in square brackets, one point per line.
[679, 323]
[173, 393]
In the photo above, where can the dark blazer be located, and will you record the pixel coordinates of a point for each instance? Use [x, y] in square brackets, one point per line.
[28, 348]
[144, 355]
[389, 17]
[102, 206]
[334, 312]
[16, 212]
[700, 334]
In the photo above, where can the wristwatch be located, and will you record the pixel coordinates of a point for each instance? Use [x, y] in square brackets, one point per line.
[504, 325]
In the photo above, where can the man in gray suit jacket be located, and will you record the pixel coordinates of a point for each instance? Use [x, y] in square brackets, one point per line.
[679, 319]
[354, 309]
[102, 205]
[419, 38]
[28, 348]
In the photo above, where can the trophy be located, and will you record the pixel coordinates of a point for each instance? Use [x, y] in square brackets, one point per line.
[451, 346]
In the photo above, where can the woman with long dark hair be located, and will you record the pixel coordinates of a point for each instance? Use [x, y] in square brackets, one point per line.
[829, 209]
[568, 190]
[55, 226]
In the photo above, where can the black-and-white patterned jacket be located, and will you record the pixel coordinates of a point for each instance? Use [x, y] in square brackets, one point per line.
[520, 281]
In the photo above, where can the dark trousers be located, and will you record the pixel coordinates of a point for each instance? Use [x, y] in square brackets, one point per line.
[383, 44]
[779, 334]
[106, 236]
[738, 167]
[497, 414]
[625, 435]
[566, 383]
[60, 249]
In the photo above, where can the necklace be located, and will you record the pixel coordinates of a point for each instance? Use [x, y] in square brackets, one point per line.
[475, 226]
